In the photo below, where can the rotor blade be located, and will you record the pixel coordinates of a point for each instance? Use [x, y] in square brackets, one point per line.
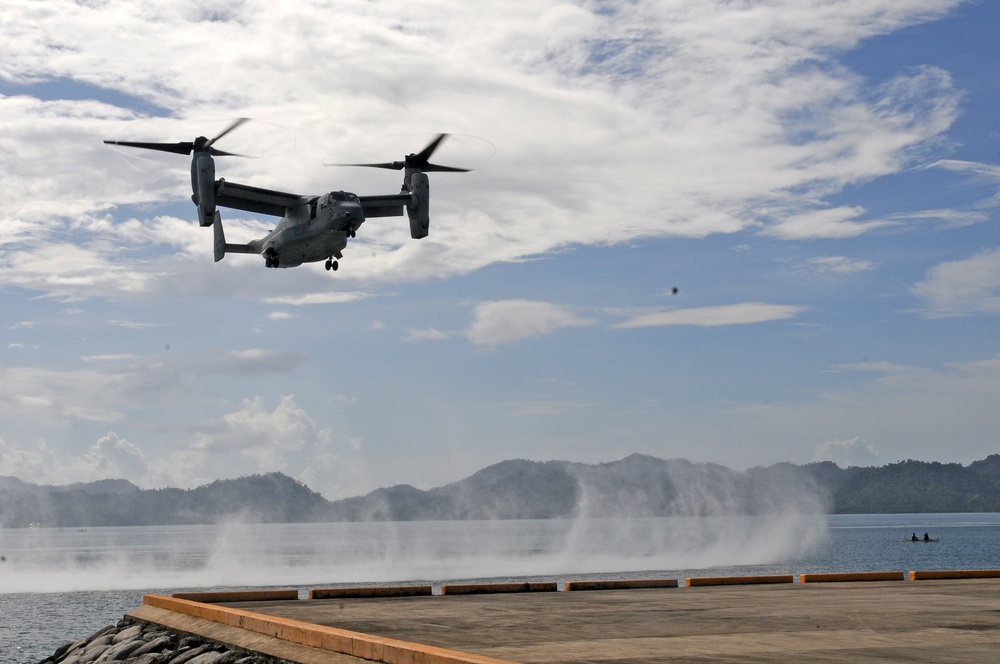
[220, 153]
[429, 168]
[183, 147]
[236, 123]
[392, 165]
[417, 161]
[425, 154]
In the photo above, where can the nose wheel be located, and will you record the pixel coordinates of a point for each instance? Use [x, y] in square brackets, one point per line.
[331, 265]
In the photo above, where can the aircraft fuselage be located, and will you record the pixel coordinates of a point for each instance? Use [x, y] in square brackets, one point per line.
[312, 232]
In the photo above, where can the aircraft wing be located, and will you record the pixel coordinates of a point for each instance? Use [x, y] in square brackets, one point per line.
[390, 205]
[255, 199]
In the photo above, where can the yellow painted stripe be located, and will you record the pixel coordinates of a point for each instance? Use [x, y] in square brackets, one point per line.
[367, 646]
[854, 576]
[955, 574]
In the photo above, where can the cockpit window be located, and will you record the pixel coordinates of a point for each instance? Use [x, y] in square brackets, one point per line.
[338, 196]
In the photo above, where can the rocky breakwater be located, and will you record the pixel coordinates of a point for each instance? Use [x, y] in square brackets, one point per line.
[137, 642]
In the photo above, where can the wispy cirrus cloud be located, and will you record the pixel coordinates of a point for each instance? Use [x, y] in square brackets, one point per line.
[429, 334]
[510, 320]
[744, 313]
[837, 265]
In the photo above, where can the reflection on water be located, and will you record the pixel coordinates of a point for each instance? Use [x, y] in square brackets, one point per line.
[101, 573]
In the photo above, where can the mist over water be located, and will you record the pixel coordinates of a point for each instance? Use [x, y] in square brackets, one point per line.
[101, 573]
[635, 514]
[235, 554]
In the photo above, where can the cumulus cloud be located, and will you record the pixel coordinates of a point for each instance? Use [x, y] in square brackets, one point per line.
[253, 438]
[848, 452]
[110, 457]
[113, 383]
[709, 120]
[744, 313]
[113, 457]
[510, 320]
[962, 287]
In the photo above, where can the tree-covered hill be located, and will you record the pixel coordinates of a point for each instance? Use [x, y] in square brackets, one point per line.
[635, 486]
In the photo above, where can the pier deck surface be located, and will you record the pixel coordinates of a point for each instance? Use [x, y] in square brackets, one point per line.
[940, 621]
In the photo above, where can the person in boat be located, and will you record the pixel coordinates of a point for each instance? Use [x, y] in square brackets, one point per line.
[914, 537]
[927, 537]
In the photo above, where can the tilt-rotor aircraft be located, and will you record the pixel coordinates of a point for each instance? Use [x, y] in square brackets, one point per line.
[312, 228]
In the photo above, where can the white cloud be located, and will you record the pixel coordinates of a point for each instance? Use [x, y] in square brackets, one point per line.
[833, 223]
[702, 120]
[587, 126]
[316, 298]
[509, 320]
[744, 313]
[114, 384]
[109, 357]
[112, 457]
[837, 265]
[849, 452]
[988, 174]
[430, 334]
[964, 287]
[251, 439]
[947, 218]
[549, 407]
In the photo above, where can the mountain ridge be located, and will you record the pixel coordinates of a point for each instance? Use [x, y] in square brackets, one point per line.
[635, 486]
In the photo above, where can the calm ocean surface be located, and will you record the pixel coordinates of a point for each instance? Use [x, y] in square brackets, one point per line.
[100, 574]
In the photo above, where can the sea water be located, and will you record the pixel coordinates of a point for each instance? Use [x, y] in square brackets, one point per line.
[59, 585]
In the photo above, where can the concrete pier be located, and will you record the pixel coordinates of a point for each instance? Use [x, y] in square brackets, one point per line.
[953, 620]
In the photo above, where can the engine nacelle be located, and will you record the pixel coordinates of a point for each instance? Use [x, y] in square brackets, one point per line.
[203, 187]
[419, 209]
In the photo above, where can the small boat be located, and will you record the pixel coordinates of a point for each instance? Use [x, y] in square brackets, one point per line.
[921, 539]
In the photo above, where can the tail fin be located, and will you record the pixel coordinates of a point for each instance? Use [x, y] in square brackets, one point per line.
[221, 246]
[220, 238]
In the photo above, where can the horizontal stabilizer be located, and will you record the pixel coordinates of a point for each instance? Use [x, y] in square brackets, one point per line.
[222, 247]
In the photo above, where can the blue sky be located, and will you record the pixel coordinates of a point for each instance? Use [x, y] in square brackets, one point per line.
[819, 180]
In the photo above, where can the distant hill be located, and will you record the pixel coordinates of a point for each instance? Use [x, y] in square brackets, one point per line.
[272, 498]
[635, 486]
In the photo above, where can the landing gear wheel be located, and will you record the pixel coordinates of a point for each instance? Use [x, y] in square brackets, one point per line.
[335, 266]
[329, 265]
